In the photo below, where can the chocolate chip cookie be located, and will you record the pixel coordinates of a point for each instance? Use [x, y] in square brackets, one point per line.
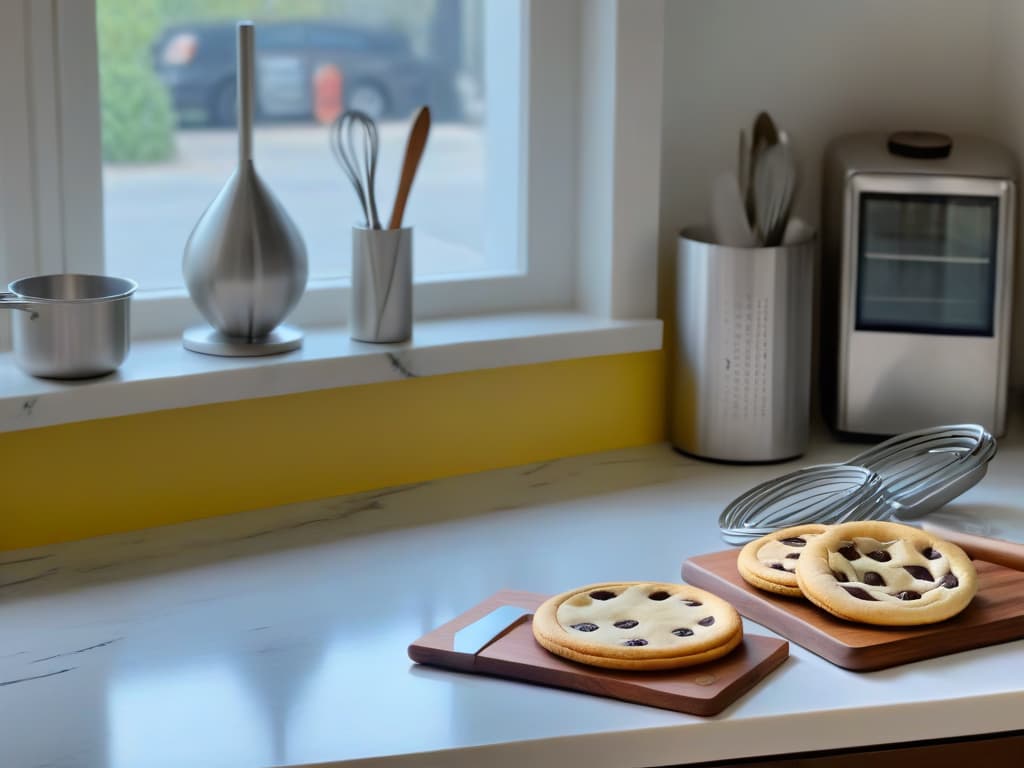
[887, 574]
[638, 625]
[770, 563]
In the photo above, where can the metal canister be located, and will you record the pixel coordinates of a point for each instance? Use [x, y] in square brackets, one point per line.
[381, 304]
[741, 371]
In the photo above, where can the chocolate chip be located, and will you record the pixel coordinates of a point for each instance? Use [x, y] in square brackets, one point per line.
[880, 555]
[873, 579]
[707, 621]
[909, 594]
[859, 593]
[777, 566]
[586, 626]
[793, 556]
[930, 553]
[849, 552]
[603, 594]
[660, 595]
[635, 641]
[840, 576]
[692, 603]
[919, 572]
[682, 632]
[626, 624]
[794, 541]
[949, 581]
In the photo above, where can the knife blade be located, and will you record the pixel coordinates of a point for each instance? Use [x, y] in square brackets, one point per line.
[474, 637]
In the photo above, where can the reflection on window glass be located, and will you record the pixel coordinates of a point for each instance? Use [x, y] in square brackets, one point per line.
[167, 81]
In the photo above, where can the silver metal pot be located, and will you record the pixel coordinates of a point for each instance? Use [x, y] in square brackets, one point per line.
[69, 326]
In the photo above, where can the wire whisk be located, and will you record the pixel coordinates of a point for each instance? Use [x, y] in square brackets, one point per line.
[355, 145]
[907, 476]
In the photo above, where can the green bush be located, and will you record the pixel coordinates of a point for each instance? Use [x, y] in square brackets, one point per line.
[137, 118]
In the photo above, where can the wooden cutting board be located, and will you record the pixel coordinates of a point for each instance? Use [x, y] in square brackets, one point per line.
[996, 615]
[703, 690]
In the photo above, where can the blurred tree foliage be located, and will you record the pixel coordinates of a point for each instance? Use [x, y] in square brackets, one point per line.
[136, 114]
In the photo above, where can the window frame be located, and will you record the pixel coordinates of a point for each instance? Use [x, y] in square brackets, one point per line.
[63, 80]
[591, 74]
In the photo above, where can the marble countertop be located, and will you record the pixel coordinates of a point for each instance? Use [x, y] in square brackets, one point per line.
[278, 637]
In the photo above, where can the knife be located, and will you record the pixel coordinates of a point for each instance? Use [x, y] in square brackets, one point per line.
[474, 637]
[999, 551]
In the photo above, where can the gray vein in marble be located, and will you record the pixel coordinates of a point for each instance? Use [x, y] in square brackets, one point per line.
[27, 579]
[25, 560]
[80, 650]
[102, 566]
[342, 515]
[396, 363]
[536, 469]
[358, 500]
[390, 491]
[290, 527]
[318, 522]
[348, 506]
[274, 649]
[35, 677]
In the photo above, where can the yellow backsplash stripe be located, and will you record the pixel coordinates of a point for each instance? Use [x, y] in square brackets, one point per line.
[91, 478]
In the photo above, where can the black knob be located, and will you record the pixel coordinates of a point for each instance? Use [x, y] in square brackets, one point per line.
[920, 144]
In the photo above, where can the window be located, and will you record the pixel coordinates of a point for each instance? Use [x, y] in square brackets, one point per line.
[158, 77]
[160, 173]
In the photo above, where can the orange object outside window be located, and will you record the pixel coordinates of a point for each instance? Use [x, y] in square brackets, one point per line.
[327, 91]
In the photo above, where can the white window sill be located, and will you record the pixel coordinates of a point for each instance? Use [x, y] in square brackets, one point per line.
[161, 374]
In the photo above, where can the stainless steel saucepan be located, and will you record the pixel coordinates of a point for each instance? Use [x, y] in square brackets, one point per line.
[69, 326]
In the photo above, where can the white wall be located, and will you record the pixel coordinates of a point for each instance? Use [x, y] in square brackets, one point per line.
[1007, 55]
[823, 68]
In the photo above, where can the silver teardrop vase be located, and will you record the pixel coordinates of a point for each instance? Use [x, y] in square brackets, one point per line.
[245, 263]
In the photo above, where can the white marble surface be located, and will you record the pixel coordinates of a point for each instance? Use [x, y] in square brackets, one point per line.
[161, 374]
[279, 637]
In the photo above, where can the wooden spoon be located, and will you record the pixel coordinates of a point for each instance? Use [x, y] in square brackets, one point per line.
[1008, 553]
[413, 152]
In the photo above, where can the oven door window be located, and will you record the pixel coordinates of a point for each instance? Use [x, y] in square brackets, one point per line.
[927, 263]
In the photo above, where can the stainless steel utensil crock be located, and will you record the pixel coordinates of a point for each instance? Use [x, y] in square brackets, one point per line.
[69, 326]
[742, 358]
[381, 309]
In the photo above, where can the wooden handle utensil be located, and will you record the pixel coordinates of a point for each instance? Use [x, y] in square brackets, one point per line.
[413, 152]
[1000, 551]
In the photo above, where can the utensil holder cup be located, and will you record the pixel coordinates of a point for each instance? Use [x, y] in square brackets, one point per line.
[381, 304]
[741, 368]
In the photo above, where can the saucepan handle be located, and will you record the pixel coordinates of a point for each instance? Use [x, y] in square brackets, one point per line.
[13, 301]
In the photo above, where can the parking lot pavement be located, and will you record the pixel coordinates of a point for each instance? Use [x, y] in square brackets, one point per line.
[149, 210]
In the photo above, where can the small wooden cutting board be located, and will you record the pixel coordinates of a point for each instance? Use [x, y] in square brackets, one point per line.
[703, 690]
[996, 615]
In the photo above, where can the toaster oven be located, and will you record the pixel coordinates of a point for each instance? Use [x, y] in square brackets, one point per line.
[917, 269]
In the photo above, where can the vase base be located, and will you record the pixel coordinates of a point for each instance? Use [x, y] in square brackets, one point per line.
[208, 341]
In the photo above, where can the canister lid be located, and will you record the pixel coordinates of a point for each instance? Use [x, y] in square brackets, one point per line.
[920, 144]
